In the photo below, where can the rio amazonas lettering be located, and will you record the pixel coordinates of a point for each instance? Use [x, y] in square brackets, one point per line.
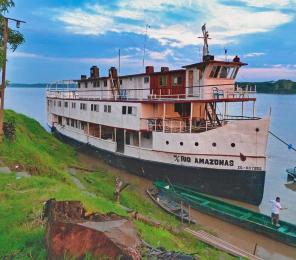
[204, 161]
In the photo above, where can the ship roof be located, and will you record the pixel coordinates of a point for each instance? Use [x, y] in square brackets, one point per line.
[135, 75]
[205, 63]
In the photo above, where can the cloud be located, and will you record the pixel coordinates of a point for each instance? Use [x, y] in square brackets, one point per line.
[269, 73]
[175, 23]
[253, 54]
[20, 54]
[268, 3]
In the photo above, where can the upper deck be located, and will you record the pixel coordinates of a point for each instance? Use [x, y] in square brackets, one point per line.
[206, 81]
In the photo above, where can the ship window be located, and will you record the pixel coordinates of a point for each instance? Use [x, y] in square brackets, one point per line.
[177, 80]
[214, 144]
[132, 110]
[83, 106]
[97, 84]
[54, 103]
[232, 144]
[167, 142]
[146, 79]
[66, 104]
[120, 81]
[73, 105]
[196, 143]
[235, 71]
[181, 143]
[124, 110]
[230, 72]
[129, 110]
[67, 121]
[107, 108]
[215, 71]
[78, 85]
[59, 103]
[82, 125]
[163, 80]
[74, 123]
[224, 72]
[105, 83]
[94, 107]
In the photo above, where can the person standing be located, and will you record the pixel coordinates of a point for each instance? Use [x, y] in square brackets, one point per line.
[275, 211]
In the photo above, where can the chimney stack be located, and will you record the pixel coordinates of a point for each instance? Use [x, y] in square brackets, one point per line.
[94, 72]
[113, 72]
[149, 69]
[164, 69]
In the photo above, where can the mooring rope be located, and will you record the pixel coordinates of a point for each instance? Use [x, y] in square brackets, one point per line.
[290, 146]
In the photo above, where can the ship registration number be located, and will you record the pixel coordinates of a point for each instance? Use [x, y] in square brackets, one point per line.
[216, 162]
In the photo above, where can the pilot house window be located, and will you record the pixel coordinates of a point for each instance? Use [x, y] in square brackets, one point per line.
[224, 72]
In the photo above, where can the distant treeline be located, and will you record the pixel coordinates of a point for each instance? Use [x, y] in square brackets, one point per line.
[21, 85]
[282, 86]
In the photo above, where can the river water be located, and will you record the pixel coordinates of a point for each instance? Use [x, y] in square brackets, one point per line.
[31, 101]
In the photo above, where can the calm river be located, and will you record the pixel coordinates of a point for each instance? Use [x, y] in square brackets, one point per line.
[31, 101]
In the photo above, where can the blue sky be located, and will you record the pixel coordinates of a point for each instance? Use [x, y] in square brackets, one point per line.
[64, 38]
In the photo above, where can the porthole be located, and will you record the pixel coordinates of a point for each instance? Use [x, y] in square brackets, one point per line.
[233, 145]
[196, 144]
[257, 129]
[181, 143]
[167, 142]
[214, 144]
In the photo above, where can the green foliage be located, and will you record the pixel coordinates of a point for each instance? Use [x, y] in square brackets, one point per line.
[35, 149]
[282, 86]
[5, 5]
[15, 38]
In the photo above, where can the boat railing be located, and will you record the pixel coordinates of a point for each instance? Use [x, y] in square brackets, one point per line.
[69, 89]
[187, 125]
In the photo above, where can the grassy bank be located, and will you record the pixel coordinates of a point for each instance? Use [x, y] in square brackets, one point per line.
[47, 159]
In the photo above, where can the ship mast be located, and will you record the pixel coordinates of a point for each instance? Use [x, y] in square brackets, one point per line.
[205, 37]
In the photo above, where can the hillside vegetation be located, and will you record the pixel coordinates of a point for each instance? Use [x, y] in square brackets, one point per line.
[273, 87]
[47, 159]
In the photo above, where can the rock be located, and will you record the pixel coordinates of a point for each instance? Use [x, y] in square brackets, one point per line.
[23, 174]
[71, 232]
[4, 170]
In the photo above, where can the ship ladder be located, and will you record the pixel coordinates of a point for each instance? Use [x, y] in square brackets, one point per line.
[211, 114]
[114, 86]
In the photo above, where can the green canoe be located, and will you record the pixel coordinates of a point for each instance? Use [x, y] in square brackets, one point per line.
[243, 217]
[291, 174]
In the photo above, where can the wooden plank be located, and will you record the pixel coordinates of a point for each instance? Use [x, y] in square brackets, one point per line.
[221, 244]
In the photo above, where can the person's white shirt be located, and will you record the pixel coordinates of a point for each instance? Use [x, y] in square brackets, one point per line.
[276, 207]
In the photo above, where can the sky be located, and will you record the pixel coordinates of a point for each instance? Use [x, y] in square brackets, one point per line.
[64, 38]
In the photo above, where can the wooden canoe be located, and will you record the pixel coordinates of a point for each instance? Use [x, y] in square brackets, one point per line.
[243, 217]
[170, 206]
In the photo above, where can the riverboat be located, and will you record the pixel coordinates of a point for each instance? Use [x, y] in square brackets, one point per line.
[192, 125]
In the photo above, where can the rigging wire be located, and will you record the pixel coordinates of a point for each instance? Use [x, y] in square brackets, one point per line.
[290, 146]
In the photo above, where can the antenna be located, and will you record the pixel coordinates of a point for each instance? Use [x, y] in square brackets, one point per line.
[205, 37]
[118, 61]
[144, 49]
[225, 52]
